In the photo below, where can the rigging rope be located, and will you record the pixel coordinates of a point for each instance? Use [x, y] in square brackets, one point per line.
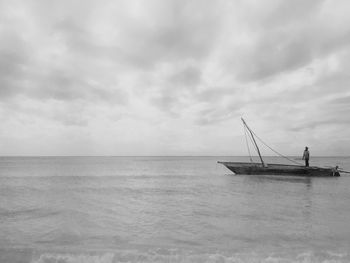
[275, 150]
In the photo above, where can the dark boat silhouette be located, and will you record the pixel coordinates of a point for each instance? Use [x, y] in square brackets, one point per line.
[276, 169]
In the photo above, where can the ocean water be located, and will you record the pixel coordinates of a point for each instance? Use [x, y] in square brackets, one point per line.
[168, 209]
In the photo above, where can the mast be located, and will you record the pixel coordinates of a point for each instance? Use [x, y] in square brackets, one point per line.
[256, 145]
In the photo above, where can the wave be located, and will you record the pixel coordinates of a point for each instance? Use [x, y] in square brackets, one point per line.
[174, 255]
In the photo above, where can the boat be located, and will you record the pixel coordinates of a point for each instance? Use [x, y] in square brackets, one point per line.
[279, 169]
[263, 168]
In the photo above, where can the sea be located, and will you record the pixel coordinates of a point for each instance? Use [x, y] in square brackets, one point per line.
[169, 209]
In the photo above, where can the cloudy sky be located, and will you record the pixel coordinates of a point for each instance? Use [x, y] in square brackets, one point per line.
[173, 77]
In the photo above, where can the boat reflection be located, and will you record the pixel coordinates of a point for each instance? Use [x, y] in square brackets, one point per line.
[278, 178]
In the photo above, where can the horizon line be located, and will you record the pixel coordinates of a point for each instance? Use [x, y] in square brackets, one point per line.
[167, 156]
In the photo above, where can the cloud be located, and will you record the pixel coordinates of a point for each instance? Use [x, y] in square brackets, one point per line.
[115, 69]
[14, 57]
[171, 31]
[176, 89]
[188, 77]
[284, 13]
[288, 40]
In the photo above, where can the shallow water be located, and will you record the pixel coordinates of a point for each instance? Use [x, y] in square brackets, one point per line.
[168, 209]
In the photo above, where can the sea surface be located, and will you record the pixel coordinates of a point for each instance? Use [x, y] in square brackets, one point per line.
[168, 209]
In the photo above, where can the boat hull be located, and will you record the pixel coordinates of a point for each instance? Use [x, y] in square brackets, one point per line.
[279, 169]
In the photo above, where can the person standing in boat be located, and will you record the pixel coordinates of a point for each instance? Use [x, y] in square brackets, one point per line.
[306, 156]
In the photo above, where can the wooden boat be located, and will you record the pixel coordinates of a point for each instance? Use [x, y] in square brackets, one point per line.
[279, 169]
[276, 169]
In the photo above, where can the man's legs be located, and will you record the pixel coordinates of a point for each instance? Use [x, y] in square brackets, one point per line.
[307, 162]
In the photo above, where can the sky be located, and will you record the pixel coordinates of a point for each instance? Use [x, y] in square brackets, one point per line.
[173, 77]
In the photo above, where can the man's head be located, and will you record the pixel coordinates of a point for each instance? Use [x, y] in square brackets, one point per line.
[306, 148]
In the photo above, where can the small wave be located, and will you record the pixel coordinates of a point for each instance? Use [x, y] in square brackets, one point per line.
[26, 213]
[71, 258]
[175, 255]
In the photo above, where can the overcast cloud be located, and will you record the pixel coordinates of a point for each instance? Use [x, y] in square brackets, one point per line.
[173, 77]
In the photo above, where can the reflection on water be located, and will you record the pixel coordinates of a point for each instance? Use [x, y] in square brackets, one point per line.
[281, 178]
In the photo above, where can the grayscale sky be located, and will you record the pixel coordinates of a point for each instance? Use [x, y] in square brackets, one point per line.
[173, 77]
